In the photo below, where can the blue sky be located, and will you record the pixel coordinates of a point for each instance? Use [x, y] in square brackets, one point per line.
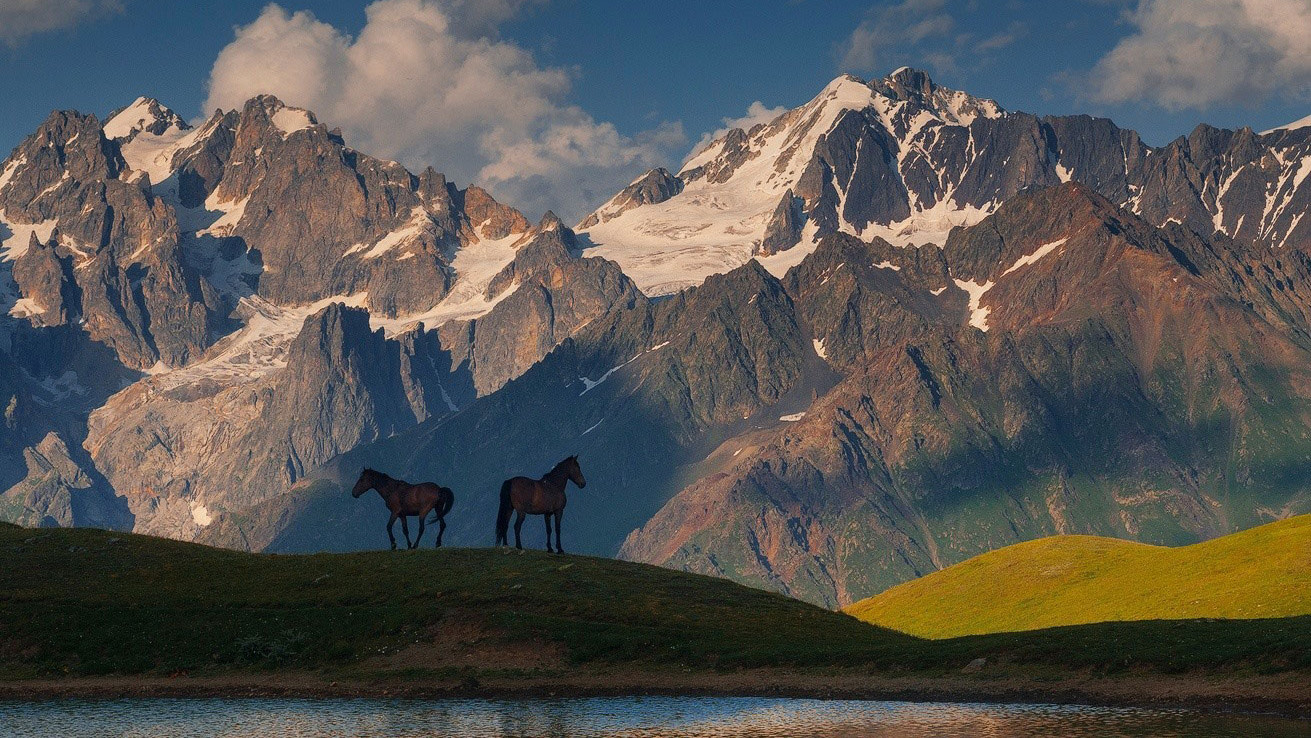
[642, 82]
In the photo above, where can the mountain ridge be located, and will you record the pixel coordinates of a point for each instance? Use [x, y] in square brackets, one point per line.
[947, 159]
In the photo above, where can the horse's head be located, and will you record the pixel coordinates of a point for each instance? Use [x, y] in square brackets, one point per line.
[575, 472]
[368, 478]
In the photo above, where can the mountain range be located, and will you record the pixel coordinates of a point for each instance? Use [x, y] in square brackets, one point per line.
[888, 330]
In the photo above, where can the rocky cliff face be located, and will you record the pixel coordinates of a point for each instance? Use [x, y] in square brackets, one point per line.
[201, 455]
[641, 393]
[110, 245]
[1090, 380]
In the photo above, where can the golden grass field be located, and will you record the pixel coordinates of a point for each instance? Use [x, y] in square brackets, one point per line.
[1264, 572]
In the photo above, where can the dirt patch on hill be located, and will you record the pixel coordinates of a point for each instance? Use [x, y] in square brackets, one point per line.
[464, 643]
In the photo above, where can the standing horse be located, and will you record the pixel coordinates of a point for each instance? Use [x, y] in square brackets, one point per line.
[543, 496]
[404, 499]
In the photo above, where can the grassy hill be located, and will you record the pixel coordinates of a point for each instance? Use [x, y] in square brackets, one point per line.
[97, 605]
[93, 602]
[1264, 572]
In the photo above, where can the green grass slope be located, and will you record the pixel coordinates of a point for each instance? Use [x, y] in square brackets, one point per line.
[1264, 572]
[92, 602]
[89, 603]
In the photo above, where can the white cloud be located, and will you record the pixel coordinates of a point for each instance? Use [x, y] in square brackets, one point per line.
[756, 113]
[418, 84]
[888, 30]
[1201, 53]
[22, 18]
[484, 16]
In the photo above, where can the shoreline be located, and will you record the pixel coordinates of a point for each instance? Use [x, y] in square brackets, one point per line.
[1286, 695]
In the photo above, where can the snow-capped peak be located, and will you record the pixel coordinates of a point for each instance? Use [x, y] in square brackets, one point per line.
[847, 90]
[1300, 123]
[722, 207]
[144, 114]
[947, 105]
[286, 118]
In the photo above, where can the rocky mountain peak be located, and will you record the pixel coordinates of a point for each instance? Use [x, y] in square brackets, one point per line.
[145, 114]
[550, 222]
[950, 106]
[657, 185]
[332, 333]
[267, 111]
[489, 218]
[909, 78]
[67, 146]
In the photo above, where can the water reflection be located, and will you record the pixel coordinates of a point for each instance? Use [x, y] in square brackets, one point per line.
[651, 717]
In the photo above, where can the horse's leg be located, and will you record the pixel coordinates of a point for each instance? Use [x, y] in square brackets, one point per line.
[518, 525]
[547, 519]
[441, 522]
[405, 528]
[391, 524]
[559, 547]
[419, 537]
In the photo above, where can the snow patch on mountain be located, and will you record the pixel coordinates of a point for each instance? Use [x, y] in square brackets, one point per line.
[51, 390]
[19, 236]
[200, 514]
[476, 265]
[290, 120]
[1299, 123]
[931, 225]
[976, 291]
[153, 153]
[9, 170]
[778, 264]
[1041, 251]
[590, 384]
[413, 227]
[259, 347]
[229, 215]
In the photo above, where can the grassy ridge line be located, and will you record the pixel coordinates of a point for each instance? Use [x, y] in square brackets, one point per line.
[79, 603]
[1264, 572]
[93, 602]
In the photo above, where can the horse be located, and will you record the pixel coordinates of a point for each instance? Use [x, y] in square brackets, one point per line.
[543, 496]
[404, 499]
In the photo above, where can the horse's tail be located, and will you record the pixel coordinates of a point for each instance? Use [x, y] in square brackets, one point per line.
[503, 515]
[443, 507]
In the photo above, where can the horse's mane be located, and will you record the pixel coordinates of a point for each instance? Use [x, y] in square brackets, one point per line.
[560, 466]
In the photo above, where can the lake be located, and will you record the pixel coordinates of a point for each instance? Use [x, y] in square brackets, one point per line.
[635, 716]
